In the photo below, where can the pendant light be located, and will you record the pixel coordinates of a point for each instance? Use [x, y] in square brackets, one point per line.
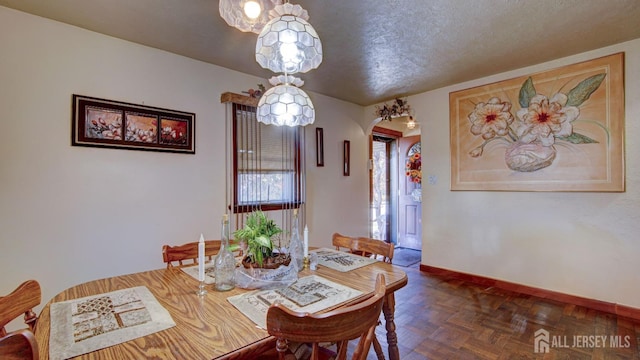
[247, 15]
[285, 103]
[288, 43]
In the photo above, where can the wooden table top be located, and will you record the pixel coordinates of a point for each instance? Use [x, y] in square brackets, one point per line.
[207, 327]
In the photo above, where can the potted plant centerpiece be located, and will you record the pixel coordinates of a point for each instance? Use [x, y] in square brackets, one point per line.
[258, 233]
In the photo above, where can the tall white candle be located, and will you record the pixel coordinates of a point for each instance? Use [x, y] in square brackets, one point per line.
[201, 258]
[306, 241]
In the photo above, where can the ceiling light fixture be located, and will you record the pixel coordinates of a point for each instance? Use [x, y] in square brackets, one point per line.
[247, 15]
[288, 43]
[285, 103]
[252, 9]
[411, 124]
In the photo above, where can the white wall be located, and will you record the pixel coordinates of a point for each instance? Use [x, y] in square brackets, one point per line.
[584, 244]
[73, 214]
[337, 203]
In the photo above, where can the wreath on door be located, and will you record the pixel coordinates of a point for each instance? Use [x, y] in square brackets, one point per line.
[414, 168]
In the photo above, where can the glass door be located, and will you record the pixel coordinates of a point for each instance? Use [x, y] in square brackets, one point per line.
[383, 180]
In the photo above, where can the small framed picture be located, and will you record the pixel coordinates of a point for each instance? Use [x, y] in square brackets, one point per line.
[347, 162]
[319, 147]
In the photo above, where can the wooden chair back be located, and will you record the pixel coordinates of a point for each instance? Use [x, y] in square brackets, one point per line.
[342, 242]
[373, 248]
[19, 345]
[340, 325]
[22, 300]
[187, 254]
[376, 249]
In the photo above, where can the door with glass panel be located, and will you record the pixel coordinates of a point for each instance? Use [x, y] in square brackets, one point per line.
[409, 194]
[383, 179]
[395, 197]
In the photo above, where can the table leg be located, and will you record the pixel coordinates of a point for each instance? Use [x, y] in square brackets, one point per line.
[388, 308]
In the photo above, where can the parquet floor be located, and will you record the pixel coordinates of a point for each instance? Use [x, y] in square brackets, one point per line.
[449, 319]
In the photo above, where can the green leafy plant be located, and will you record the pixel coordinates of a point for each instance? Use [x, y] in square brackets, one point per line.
[257, 233]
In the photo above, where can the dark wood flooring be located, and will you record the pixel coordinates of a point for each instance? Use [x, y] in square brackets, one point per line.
[438, 318]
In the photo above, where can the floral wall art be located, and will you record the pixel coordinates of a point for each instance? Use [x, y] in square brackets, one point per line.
[106, 123]
[559, 130]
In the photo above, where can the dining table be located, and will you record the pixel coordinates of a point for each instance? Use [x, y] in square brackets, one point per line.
[209, 326]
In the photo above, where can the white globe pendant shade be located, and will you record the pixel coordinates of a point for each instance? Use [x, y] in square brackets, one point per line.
[285, 104]
[247, 15]
[288, 43]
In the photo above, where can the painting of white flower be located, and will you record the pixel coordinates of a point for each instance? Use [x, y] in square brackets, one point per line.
[557, 130]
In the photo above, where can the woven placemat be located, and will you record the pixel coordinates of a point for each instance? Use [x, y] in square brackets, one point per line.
[91, 323]
[308, 294]
[209, 272]
[340, 260]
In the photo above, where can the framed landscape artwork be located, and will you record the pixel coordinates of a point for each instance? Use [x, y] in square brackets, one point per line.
[558, 130]
[113, 124]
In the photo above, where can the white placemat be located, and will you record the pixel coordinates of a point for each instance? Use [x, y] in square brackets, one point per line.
[309, 294]
[91, 323]
[340, 260]
[209, 272]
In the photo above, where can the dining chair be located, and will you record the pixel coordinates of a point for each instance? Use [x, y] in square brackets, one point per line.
[342, 242]
[377, 249]
[338, 326]
[373, 248]
[19, 345]
[187, 254]
[22, 300]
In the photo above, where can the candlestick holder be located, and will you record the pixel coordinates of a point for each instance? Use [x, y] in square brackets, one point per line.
[201, 290]
[305, 262]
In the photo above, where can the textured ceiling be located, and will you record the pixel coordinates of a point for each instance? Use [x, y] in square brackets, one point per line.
[374, 50]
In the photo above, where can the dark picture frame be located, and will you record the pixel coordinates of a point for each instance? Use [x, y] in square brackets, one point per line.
[120, 125]
[346, 168]
[319, 147]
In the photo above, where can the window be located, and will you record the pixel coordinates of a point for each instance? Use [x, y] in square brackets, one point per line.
[266, 163]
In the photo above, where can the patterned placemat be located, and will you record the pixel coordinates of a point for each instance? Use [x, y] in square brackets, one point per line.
[209, 272]
[340, 260]
[309, 294]
[84, 325]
